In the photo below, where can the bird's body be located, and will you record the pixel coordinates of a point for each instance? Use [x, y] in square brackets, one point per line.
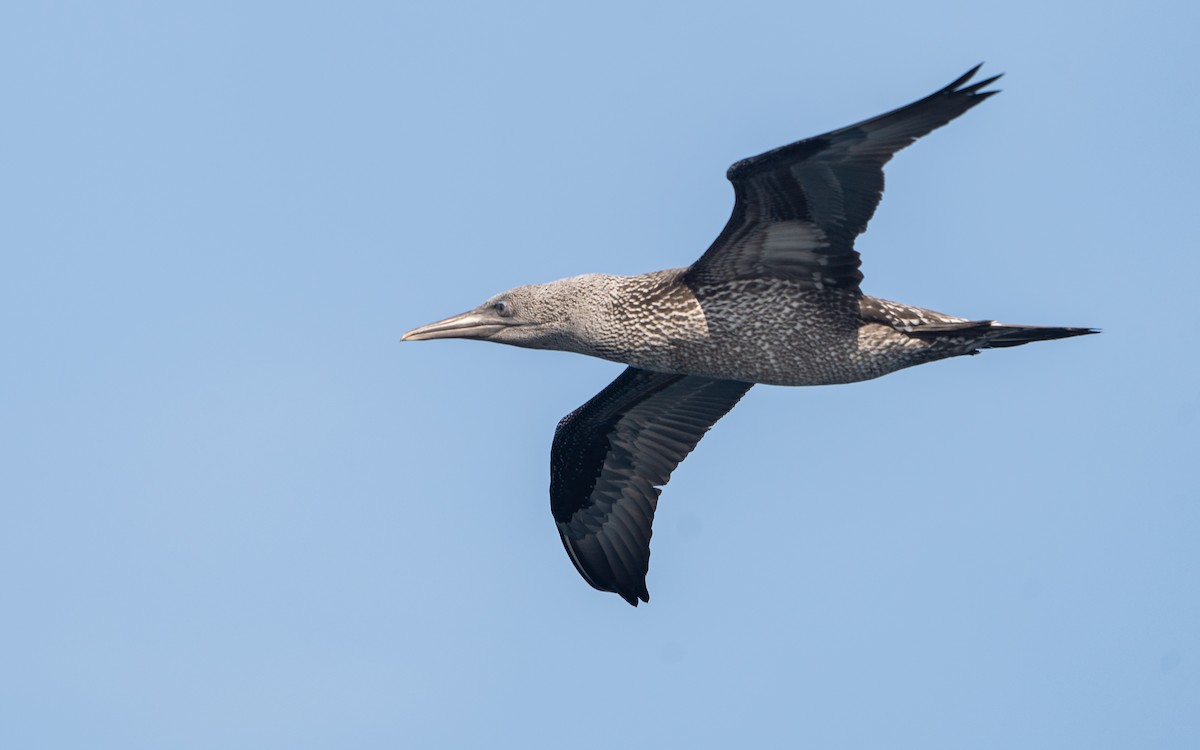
[768, 331]
[774, 300]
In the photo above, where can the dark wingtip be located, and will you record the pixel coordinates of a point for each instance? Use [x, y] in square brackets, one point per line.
[974, 88]
[633, 597]
[963, 78]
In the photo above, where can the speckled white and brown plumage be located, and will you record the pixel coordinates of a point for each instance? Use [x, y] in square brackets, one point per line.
[774, 300]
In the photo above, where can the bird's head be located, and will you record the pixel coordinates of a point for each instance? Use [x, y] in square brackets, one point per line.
[557, 315]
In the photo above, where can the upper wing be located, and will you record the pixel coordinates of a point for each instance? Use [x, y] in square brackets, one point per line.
[798, 208]
[609, 458]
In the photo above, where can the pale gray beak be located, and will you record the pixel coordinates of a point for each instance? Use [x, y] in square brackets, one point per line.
[469, 325]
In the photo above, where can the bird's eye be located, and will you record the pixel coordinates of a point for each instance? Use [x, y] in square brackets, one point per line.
[502, 308]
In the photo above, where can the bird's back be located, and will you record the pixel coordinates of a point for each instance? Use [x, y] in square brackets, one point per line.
[780, 332]
[772, 331]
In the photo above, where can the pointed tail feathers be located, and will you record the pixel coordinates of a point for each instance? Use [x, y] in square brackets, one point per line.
[994, 335]
[1017, 335]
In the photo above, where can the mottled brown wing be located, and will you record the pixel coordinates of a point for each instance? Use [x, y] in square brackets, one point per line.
[798, 208]
[611, 456]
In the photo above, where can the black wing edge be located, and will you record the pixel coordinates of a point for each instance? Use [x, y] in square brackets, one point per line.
[768, 190]
[615, 555]
[952, 99]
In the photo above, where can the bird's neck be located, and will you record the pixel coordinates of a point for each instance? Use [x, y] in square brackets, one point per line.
[634, 319]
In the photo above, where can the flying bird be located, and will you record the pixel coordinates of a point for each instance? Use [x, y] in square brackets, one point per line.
[774, 300]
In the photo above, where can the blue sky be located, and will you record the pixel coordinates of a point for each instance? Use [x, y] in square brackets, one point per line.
[238, 513]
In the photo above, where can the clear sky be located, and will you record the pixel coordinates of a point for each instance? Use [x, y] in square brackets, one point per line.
[238, 513]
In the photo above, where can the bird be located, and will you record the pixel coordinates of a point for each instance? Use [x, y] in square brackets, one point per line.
[774, 300]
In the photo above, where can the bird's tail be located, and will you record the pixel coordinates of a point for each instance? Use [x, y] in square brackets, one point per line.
[1017, 335]
[992, 335]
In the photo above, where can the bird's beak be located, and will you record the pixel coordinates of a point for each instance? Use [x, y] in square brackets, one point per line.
[469, 325]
